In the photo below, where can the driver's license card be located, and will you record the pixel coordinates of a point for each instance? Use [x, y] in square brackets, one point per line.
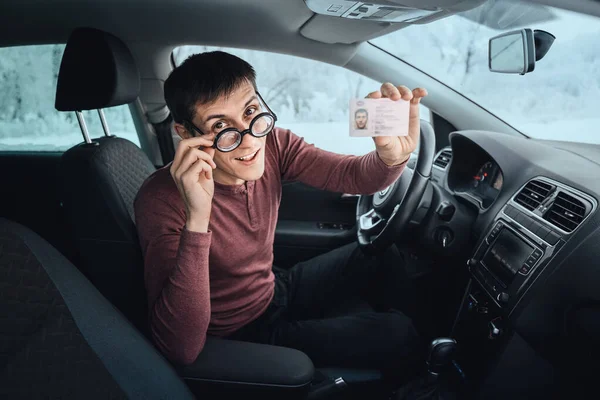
[378, 117]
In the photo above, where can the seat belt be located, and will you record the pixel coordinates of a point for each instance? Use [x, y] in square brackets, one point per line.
[162, 121]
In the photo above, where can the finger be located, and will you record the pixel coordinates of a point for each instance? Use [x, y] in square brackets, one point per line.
[374, 95]
[414, 120]
[405, 93]
[198, 169]
[196, 154]
[210, 151]
[390, 91]
[187, 144]
[191, 157]
[418, 94]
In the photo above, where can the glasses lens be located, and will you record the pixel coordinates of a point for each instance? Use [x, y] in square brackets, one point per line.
[228, 141]
[263, 125]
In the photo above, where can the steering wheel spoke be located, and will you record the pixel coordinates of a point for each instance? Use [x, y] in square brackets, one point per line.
[371, 222]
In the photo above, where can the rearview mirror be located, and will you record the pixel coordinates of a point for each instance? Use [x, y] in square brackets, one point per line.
[516, 52]
[512, 52]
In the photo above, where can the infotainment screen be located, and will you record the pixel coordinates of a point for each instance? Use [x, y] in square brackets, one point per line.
[507, 255]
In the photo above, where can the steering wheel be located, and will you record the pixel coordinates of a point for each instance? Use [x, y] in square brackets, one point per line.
[383, 216]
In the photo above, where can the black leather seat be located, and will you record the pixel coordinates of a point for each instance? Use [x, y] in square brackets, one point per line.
[101, 179]
[60, 339]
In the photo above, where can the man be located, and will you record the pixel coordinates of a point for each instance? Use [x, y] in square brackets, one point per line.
[360, 118]
[207, 223]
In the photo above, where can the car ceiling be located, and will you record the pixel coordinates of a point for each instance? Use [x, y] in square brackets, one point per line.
[166, 21]
[268, 24]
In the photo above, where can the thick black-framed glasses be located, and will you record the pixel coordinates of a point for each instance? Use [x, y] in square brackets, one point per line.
[229, 139]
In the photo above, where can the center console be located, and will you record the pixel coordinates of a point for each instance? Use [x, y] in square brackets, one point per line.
[513, 251]
[524, 236]
[511, 255]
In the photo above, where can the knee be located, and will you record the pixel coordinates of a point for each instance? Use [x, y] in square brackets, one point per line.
[405, 340]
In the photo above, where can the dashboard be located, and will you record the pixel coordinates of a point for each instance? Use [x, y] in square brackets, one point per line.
[475, 175]
[535, 234]
[484, 185]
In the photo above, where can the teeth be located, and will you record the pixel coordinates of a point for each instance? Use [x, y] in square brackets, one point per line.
[249, 156]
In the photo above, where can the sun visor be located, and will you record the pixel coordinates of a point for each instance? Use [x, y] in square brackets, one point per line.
[337, 30]
[345, 21]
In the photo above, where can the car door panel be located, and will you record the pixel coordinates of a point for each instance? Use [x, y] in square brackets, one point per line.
[312, 222]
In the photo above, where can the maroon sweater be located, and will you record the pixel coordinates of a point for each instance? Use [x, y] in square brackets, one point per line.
[216, 282]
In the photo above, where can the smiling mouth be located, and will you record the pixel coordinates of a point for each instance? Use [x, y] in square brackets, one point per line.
[248, 157]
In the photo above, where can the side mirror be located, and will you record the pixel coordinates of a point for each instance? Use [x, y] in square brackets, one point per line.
[516, 52]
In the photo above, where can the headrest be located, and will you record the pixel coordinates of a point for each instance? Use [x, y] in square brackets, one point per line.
[97, 71]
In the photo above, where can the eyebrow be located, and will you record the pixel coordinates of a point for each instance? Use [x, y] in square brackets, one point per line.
[218, 116]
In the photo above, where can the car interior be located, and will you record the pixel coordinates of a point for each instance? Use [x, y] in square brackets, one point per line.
[497, 229]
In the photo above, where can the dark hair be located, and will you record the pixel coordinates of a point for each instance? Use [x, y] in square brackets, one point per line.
[360, 110]
[203, 78]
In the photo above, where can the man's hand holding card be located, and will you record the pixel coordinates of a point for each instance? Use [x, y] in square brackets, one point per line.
[391, 116]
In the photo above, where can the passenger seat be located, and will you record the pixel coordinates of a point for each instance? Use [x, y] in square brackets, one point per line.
[60, 339]
[101, 177]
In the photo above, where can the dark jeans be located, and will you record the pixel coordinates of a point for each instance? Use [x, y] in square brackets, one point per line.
[317, 309]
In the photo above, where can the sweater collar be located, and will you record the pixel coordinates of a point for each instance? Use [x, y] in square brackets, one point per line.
[234, 189]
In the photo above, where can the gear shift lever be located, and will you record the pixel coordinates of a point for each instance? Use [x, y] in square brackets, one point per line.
[429, 387]
[441, 354]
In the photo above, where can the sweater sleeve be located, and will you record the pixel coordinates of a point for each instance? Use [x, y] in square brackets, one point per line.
[176, 274]
[325, 170]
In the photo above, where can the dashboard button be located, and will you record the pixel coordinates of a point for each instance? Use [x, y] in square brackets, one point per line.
[534, 227]
[530, 261]
[528, 223]
[552, 238]
[542, 231]
[511, 211]
[520, 218]
[524, 269]
[537, 253]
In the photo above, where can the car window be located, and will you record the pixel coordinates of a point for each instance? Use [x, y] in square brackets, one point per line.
[28, 119]
[311, 98]
[558, 100]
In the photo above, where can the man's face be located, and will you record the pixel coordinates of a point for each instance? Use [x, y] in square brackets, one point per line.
[234, 111]
[361, 120]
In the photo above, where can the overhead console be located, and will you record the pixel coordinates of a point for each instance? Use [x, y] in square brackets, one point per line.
[536, 222]
[382, 10]
[346, 21]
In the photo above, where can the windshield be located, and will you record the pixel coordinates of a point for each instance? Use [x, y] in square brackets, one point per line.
[559, 100]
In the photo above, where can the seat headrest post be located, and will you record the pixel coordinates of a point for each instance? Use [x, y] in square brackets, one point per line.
[83, 127]
[104, 123]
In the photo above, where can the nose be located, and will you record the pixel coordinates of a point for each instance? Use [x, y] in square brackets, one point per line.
[249, 142]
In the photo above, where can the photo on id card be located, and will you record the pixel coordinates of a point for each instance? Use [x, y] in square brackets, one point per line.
[378, 117]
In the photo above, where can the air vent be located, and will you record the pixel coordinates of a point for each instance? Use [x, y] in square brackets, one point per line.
[443, 159]
[533, 194]
[567, 212]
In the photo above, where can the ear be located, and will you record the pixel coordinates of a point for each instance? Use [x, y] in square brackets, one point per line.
[181, 131]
